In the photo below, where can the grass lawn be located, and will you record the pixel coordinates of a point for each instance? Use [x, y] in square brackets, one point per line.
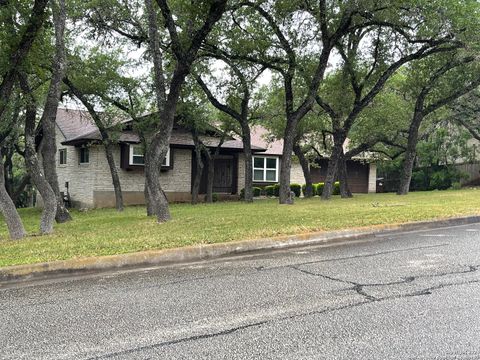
[106, 232]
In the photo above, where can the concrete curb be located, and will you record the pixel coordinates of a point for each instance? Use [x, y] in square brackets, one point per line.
[203, 252]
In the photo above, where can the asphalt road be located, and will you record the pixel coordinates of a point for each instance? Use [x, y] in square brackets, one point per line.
[406, 296]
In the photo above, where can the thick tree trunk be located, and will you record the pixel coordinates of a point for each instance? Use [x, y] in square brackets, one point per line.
[247, 152]
[410, 153]
[49, 147]
[343, 178]
[337, 151]
[35, 171]
[285, 196]
[157, 200]
[108, 145]
[306, 170]
[185, 55]
[7, 207]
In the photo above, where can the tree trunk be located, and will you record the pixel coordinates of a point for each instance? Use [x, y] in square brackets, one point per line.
[343, 178]
[157, 200]
[210, 178]
[306, 170]
[8, 169]
[35, 171]
[147, 201]
[198, 168]
[285, 196]
[49, 147]
[337, 151]
[108, 145]
[410, 153]
[7, 207]
[247, 152]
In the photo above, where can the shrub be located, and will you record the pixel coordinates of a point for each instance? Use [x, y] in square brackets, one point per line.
[214, 197]
[319, 188]
[256, 192]
[296, 188]
[336, 188]
[276, 190]
[269, 190]
[314, 189]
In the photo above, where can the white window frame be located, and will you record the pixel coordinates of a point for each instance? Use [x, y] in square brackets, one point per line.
[80, 155]
[166, 161]
[60, 151]
[264, 169]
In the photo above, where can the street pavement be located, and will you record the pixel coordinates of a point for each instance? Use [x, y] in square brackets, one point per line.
[413, 295]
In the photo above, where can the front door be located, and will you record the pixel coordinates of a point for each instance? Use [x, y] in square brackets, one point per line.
[223, 176]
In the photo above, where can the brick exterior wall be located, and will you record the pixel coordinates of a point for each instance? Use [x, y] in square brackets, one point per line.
[90, 185]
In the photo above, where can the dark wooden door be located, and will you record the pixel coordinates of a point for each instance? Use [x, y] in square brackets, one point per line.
[223, 176]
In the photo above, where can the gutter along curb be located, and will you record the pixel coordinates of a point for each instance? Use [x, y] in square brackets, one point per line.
[92, 265]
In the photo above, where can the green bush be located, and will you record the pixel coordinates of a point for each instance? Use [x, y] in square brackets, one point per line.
[214, 197]
[296, 188]
[257, 191]
[336, 188]
[314, 189]
[319, 188]
[276, 190]
[269, 190]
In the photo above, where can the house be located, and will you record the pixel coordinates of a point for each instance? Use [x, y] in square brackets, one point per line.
[84, 174]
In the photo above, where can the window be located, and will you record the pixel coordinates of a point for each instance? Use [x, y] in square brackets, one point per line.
[84, 155]
[137, 156]
[265, 169]
[62, 156]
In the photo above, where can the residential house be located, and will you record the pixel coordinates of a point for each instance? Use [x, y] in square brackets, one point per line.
[84, 175]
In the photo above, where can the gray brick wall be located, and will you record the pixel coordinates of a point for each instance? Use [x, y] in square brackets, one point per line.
[84, 179]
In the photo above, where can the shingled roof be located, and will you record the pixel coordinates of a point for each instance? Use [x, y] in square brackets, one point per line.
[78, 128]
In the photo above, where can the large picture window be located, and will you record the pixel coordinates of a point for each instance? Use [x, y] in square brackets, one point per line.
[265, 169]
[137, 156]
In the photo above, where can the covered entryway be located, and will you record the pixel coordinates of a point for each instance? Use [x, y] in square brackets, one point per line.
[225, 174]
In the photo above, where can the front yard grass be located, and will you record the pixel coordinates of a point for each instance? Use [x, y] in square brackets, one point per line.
[106, 232]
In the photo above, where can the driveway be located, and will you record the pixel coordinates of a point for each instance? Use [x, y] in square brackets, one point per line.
[413, 295]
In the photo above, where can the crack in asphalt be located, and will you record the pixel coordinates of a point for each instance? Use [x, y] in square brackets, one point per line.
[357, 287]
[178, 341]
